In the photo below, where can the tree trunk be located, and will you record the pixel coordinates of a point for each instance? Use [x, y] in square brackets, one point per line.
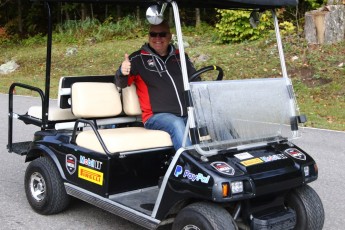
[326, 25]
[138, 15]
[84, 14]
[91, 10]
[20, 17]
[197, 17]
[171, 17]
[118, 12]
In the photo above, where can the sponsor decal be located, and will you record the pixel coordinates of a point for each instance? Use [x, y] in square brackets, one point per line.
[274, 157]
[90, 162]
[223, 167]
[90, 175]
[250, 162]
[191, 176]
[282, 156]
[178, 170]
[295, 153]
[151, 63]
[71, 163]
[243, 156]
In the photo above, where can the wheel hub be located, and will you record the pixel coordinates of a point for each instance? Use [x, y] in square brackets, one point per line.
[191, 227]
[37, 186]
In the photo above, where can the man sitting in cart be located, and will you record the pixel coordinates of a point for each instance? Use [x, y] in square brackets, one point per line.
[156, 71]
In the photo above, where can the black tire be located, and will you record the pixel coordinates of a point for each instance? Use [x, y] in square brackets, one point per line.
[308, 207]
[203, 216]
[44, 187]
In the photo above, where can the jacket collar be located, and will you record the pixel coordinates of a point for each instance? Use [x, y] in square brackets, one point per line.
[146, 50]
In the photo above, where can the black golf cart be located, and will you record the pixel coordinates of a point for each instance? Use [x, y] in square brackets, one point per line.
[241, 172]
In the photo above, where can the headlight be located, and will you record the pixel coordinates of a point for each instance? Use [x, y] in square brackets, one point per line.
[306, 171]
[236, 187]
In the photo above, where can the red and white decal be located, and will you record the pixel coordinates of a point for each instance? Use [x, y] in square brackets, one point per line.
[223, 167]
[295, 153]
[71, 163]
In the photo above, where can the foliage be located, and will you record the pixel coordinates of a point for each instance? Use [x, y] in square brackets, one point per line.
[316, 71]
[314, 4]
[234, 26]
[127, 27]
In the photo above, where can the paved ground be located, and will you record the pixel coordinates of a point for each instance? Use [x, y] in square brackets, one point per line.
[327, 147]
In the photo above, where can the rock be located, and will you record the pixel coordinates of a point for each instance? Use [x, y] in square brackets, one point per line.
[202, 58]
[8, 67]
[71, 51]
[326, 25]
[175, 42]
[336, 2]
[294, 58]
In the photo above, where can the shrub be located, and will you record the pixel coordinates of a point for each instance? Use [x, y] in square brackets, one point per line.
[234, 26]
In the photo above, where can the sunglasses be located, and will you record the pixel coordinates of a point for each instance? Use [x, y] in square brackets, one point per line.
[159, 34]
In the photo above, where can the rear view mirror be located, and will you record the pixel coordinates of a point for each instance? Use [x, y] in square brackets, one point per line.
[154, 14]
[254, 19]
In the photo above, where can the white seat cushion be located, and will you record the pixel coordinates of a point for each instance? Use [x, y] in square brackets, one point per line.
[124, 139]
[95, 99]
[54, 114]
[130, 100]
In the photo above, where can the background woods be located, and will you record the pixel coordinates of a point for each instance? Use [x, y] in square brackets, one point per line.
[22, 18]
[92, 39]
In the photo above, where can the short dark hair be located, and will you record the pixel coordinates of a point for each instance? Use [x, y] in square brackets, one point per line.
[164, 24]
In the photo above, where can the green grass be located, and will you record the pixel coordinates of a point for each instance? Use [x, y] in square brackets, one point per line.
[318, 78]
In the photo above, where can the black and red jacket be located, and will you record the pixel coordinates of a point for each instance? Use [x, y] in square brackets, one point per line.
[159, 82]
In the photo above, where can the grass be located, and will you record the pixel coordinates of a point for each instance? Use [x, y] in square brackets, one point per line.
[316, 71]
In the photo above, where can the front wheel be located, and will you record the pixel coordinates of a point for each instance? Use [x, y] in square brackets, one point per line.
[308, 207]
[44, 187]
[203, 216]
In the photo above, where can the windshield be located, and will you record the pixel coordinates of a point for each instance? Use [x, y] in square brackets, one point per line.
[240, 112]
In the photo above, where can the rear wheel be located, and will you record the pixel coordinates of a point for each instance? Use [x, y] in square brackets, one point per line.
[308, 207]
[44, 188]
[203, 216]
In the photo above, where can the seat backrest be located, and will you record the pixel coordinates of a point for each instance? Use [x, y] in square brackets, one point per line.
[65, 83]
[95, 99]
[130, 100]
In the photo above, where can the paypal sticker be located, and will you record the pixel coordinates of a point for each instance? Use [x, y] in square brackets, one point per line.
[191, 176]
[178, 170]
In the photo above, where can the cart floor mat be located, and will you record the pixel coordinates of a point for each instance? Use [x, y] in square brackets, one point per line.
[20, 148]
[142, 200]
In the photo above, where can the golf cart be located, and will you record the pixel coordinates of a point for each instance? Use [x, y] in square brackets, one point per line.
[241, 172]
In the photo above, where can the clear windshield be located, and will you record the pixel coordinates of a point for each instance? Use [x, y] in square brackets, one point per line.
[241, 112]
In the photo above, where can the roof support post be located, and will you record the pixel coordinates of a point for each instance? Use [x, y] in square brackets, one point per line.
[45, 107]
[190, 109]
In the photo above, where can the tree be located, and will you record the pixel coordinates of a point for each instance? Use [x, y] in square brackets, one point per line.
[197, 17]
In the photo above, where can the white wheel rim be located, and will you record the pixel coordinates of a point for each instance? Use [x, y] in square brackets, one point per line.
[37, 186]
[191, 227]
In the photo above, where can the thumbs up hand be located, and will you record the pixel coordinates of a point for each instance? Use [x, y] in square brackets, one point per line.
[126, 66]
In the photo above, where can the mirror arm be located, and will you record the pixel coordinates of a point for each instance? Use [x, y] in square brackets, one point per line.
[164, 6]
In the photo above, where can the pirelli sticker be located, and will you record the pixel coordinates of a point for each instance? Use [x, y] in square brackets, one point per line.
[90, 175]
[253, 161]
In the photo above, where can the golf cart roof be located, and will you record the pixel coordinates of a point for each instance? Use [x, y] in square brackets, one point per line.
[223, 4]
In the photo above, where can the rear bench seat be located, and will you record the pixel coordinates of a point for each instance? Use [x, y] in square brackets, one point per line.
[54, 113]
[98, 100]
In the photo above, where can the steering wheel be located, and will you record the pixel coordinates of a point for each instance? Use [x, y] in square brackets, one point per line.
[205, 69]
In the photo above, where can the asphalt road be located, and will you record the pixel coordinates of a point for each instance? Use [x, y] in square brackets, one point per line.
[327, 148]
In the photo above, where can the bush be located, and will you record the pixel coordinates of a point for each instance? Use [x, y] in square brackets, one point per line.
[77, 30]
[234, 26]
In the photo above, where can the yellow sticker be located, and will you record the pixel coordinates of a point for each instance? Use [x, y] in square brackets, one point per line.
[253, 161]
[90, 175]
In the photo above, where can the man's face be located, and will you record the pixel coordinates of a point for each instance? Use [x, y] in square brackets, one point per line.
[159, 39]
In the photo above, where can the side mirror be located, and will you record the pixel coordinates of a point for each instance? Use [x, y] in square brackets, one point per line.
[154, 14]
[254, 19]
